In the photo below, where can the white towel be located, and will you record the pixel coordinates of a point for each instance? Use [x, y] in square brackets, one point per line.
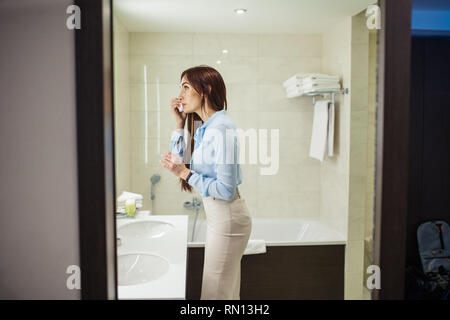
[319, 76]
[320, 90]
[313, 85]
[294, 90]
[302, 83]
[319, 132]
[294, 86]
[255, 246]
[299, 77]
[306, 82]
[294, 93]
[296, 78]
[330, 129]
[129, 195]
[318, 87]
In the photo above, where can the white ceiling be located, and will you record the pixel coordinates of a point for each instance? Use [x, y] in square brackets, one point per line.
[263, 16]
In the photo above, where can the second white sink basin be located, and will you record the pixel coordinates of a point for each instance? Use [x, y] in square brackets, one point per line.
[145, 229]
[139, 268]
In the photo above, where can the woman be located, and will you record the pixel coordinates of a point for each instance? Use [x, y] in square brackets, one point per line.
[215, 173]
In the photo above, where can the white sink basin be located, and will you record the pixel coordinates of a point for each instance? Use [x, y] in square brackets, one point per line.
[139, 268]
[152, 256]
[145, 229]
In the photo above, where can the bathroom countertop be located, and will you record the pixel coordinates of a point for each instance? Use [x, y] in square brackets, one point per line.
[171, 246]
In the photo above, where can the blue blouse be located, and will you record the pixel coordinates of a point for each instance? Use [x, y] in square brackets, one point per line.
[215, 160]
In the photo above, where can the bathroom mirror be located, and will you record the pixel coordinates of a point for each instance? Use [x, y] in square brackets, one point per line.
[318, 213]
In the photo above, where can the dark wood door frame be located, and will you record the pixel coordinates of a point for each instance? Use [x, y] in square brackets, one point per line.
[95, 133]
[393, 97]
[95, 143]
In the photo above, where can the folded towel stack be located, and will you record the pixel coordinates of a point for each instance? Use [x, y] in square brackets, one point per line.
[302, 83]
[122, 199]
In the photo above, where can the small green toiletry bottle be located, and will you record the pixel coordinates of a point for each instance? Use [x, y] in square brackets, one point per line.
[130, 207]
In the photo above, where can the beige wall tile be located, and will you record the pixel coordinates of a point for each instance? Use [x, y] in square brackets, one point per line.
[160, 69]
[354, 255]
[159, 124]
[334, 193]
[276, 70]
[242, 97]
[290, 45]
[233, 69]
[353, 286]
[157, 97]
[290, 124]
[239, 45]
[160, 44]
[356, 224]
[296, 152]
[358, 160]
[288, 205]
[291, 180]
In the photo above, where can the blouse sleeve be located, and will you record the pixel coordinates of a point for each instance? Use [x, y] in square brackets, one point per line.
[177, 143]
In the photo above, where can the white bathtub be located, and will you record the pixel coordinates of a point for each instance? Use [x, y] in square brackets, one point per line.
[279, 232]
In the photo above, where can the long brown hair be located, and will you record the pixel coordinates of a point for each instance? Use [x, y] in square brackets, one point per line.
[208, 82]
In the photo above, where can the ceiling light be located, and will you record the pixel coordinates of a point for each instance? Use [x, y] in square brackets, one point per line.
[224, 51]
[218, 62]
[240, 11]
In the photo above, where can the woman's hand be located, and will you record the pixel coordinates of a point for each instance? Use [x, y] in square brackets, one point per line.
[174, 164]
[180, 117]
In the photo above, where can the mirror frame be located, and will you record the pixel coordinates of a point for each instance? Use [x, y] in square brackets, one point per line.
[95, 145]
[95, 134]
[392, 161]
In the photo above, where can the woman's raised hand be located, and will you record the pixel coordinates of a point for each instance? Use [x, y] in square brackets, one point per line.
[180, 117]
[174, 164]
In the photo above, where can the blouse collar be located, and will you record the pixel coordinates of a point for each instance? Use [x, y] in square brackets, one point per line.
[200, 130]
[208, 122]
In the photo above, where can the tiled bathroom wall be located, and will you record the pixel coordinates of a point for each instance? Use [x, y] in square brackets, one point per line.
[362, 169]
[347, 180]
[337, 191]
[335, 170]
[253, 70]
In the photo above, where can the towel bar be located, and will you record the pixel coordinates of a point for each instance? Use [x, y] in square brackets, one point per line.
[325, 93]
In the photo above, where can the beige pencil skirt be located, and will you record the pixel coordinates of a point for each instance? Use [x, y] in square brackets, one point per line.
[228, 229]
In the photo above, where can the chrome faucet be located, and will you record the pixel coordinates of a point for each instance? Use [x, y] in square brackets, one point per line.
[195, 204]
[154, 180]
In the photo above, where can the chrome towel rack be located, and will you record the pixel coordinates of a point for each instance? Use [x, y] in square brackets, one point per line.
[314, 94]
